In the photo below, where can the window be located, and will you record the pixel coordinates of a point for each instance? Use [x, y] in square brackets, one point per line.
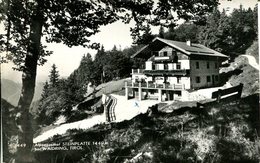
[155, 53]
[137, 79]
[153, 67]
[216, 65]
[173, 53]
[207, 65]
[175, 59]
[178, 79]
[178, 65]
[216, 78]
[165, 53]
[208, 79]
[157, 67]
[197, 65]
[165, 79]
[166, 67]
[153, 78]
[197, 79]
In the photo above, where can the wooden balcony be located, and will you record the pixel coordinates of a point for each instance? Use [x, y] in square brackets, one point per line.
[177, 72]
[149, 85]
[157, 58]
[163, 59]
[137, 71]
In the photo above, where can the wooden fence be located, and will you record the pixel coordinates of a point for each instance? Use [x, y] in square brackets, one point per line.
[224, 94]
[233, 92]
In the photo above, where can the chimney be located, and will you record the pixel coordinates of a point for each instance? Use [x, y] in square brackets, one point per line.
[188, 42]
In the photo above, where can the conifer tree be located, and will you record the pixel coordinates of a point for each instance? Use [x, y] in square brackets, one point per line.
[161, 32]
[86, 70]
[99, 63]
[54, 76]
[45, 91]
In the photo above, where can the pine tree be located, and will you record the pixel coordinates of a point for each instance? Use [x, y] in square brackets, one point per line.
[54, 76]
[146, 37]
[45, 91]
[86, 70]
[170, 34]
[243, 28]
[99, 63]
[161, 32]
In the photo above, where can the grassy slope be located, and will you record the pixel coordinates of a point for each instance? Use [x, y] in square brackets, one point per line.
[245, 73]
[219, 133]
[241, 72]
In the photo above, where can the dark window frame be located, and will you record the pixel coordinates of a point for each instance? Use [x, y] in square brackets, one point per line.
[197, 79]
[153, 66]
[207, 65]
[166, 66]
[157, 67]
[216, 78]
[178, 65]
[208, 79]
[178, 79]
[156, 53]
[197, 65]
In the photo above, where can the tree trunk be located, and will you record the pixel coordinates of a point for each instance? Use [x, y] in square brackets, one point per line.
[25, 133]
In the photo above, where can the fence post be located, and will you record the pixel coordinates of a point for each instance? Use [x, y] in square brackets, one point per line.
[239, 92]
[219, 95]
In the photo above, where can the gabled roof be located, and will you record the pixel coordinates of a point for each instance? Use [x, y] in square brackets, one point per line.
[195, 49]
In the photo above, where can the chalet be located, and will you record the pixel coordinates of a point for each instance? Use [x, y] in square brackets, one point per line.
[172, 69]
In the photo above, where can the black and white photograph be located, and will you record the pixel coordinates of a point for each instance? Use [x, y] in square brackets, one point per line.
[129, 81]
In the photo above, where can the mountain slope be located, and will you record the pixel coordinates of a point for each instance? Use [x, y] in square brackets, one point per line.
[243, 70]
[10, 91]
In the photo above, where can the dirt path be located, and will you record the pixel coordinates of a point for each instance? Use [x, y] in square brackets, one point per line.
[252, 61]
[123, 110]
[83, 124]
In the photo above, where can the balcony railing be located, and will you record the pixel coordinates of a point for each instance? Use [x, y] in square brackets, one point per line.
[137, 71]
[155, 85]
[167, 72]
[162, 58]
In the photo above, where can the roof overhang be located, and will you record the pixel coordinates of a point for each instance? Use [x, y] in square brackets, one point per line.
[158, 43]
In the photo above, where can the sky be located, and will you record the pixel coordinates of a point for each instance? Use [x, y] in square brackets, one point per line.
[68, 59]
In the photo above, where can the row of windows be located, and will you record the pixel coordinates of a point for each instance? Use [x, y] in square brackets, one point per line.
[164, 53]
[208, 65]
[214, 78]
[166, 66]
[166, 78]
